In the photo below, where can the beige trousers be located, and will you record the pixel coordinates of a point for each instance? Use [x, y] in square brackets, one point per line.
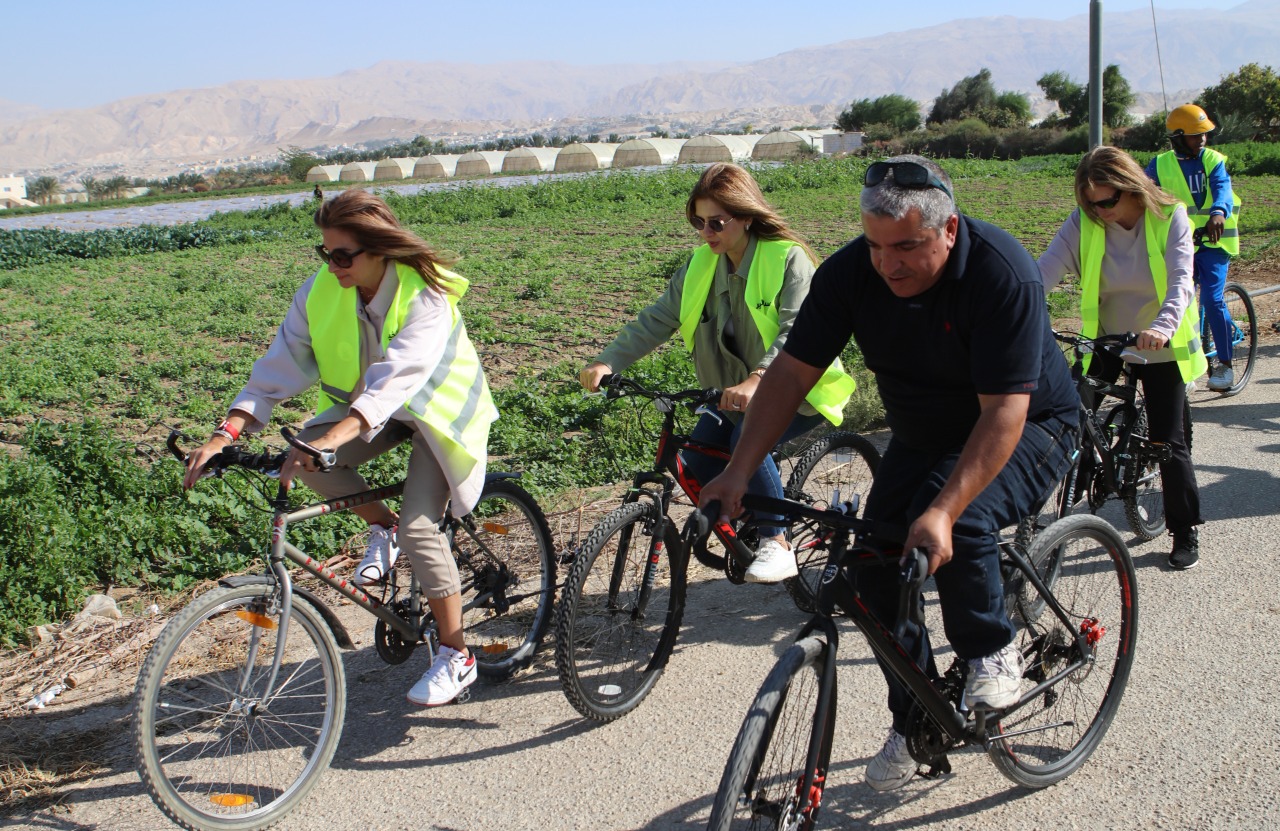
[426, 493]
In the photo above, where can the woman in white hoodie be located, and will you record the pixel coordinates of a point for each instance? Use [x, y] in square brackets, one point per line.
[377, 326]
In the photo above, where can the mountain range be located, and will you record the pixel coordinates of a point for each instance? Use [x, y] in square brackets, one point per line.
[464, 102]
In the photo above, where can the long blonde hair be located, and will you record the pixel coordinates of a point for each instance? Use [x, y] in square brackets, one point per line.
[377, 230]
[1114, 168]
[736, 189]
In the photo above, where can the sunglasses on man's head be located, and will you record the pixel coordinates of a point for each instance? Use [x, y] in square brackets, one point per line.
[715, 223]
[1108, 203]
[340, 257]
[907, 174]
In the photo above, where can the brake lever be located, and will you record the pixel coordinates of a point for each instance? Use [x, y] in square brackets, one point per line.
[326, 460]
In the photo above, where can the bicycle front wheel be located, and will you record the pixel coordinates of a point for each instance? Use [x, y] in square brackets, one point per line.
[216, 748]
[836, 467]
[1244, 336]
[1054, 733]
[1144, 502]
[620, 612]
[506, 560]
[764, 780]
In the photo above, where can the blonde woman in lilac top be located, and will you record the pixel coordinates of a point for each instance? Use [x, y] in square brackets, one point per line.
[1115, 197]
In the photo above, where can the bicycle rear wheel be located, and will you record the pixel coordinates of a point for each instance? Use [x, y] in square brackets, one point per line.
[215, 748]
[620, 611]
[838, 466]
[764, 777]
[1244, 336]
[507, 562]
[1097, 587]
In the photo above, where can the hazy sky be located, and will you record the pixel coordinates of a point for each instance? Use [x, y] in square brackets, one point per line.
[80, 53]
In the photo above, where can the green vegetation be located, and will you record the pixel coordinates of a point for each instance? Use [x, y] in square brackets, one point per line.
[113, 337]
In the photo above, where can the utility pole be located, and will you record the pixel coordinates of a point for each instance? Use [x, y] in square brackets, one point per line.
[1095, 73]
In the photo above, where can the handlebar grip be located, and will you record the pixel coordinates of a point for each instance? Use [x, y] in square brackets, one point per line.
[912, 576]
[324, 459]
[698, 526]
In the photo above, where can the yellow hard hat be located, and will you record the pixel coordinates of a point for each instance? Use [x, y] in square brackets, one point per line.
[1188, 120]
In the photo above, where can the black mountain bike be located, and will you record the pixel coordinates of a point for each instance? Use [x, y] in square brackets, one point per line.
[623, 599]
[1073, 601]
[240, 703]
[1115, 459]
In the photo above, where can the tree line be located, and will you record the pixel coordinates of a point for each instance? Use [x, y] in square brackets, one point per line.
[974, 118]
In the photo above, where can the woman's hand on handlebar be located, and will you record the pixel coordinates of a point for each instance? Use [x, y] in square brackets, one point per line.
[591, 374]
[199, 459]
[737, 398]
[1149, 339]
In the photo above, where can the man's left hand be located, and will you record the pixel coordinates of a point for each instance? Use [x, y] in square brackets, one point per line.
[1214, 227]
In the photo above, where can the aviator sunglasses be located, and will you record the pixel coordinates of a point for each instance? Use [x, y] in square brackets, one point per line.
[715, 223]
[340, 257]
[907, 174]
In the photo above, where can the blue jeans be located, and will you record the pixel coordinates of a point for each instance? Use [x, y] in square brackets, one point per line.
[719, 430]
[1211, 273]
[970, 586]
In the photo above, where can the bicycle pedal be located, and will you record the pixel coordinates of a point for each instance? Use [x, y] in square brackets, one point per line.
[462, 697]
[939, 767]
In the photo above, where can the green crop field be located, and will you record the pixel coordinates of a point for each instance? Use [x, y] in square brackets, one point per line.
[112, 338]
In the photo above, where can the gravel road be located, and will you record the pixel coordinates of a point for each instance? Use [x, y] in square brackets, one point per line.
[1194, 746]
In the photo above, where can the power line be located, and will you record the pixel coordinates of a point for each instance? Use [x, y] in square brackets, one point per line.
[1159, 62]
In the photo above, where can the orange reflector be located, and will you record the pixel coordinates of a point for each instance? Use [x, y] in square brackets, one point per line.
[494, 648]
[230, 800]
[496, 528]
[255, 619]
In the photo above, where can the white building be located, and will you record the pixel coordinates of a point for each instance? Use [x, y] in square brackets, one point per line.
[13, 192]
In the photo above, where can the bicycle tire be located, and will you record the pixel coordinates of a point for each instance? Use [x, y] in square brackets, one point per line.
[1144, 503]
[1097, 587]
[609, 651]
[766, 767]
[842, 461]
[213, 757]
[1243, 317]
[509, 594]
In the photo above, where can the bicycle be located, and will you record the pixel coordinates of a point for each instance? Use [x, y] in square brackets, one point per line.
[1244, 332]
[1074, 602]
[622, 601]
[1115, 459]
[241, 701]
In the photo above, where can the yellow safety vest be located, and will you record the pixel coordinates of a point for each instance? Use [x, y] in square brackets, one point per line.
[454, 403]
[1185, 342]
[1171, 179]
[764, 283]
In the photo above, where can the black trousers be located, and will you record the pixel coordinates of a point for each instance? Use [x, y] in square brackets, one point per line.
[1165, 394]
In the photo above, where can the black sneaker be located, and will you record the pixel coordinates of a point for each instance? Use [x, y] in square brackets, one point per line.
[1186, 550]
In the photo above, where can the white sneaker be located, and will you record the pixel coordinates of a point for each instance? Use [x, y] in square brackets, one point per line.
[996, 680]
[774, 563]
[893, 766]
[451, 672]
[1222, 378]
[379, 557]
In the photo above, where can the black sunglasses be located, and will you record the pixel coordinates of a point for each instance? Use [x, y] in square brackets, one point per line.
[907, 174]
[340, 257]
[715, 223]
[1107, 204]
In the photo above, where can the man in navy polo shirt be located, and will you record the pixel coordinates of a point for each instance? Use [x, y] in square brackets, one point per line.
[949, 314]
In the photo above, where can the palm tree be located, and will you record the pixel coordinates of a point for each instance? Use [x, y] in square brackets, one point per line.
[42, 189]
[115, 186]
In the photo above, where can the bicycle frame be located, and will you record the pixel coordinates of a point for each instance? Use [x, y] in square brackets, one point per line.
[837, 592]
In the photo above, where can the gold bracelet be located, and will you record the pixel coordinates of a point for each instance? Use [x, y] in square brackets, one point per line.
[758, 372]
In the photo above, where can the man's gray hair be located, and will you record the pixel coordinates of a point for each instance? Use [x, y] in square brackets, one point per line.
[888, 199]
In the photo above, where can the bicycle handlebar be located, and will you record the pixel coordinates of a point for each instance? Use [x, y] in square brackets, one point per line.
[230, 456]
[619, 386]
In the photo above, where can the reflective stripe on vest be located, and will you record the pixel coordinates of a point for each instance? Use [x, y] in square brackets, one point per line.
[764, 283]
[454, 402]
[1172, 179]
[1185, 342]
